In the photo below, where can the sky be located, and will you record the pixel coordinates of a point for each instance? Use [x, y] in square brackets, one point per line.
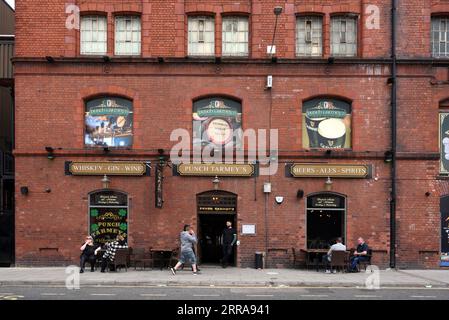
[11, 2]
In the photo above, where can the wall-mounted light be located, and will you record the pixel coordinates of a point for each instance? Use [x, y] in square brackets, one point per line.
[328, 184]
[50, 154]
[390, 80]
[105, 182]
[388, 157]
[279, 199]
[428, 194]
[24, 190]
[277, 12]
[106, 150]
[106, 58]
[50, 59]
[216, 182]
[300, 194]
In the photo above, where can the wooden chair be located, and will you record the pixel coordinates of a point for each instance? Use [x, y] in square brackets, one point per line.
[121, 259]
[364, 264]
[299, 258]
[339, 260]
[137, 257]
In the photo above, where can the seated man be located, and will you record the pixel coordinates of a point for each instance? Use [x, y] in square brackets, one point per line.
[88, 253]
[338, 246]
[111, 248]
[359, 255]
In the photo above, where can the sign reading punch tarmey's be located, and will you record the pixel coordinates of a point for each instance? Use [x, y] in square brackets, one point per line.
[117, 168]
[315, 170]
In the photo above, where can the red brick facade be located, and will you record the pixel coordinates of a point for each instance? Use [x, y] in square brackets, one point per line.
[50, 101]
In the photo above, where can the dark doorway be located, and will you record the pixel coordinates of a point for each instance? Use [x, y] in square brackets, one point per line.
[210, 236]
[7, 222]
[325, 220]
[215, 208]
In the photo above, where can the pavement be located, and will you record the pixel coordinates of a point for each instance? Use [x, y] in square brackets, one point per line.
[230, 277]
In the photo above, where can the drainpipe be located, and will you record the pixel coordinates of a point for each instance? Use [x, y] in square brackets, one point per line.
[393, 135]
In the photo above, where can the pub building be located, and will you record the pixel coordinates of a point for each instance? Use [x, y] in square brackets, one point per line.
[357, 153]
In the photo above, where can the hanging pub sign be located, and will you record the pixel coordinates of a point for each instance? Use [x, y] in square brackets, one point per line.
[158, 189]
[108, 215]
[326, 124]
[444, 143]
[109, 122]
[216, 169]
[444, 208]
[318, 170]
[217, 122]
[113, 168]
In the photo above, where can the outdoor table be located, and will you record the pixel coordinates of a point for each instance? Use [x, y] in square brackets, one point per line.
[162, 256]
[314, 255]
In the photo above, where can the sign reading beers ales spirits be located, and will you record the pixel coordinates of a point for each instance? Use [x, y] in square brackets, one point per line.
[326, 124]
[312, 170]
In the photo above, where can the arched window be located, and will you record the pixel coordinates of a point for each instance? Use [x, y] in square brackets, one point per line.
[217, 122]
[326, 124]
[109, 122]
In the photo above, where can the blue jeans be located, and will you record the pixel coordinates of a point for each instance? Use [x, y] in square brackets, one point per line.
[355, 261]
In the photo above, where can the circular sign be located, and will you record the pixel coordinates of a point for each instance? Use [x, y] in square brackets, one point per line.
[219, 131]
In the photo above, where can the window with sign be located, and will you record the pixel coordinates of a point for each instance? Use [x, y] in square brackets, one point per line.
[217, 122]
[444, 137]
[108, 215]
[109, 122]
[326, 124]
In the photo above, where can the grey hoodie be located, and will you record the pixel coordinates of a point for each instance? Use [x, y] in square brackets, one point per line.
[187, 241]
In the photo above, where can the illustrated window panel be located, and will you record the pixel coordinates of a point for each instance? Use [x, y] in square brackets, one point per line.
[309, 30]
[444, 142]
[217, 123]
[440, 37]
[108, 122]
[344, 36]
[235, 36]
[127, 35]
[326, 124]
[93, 35]
[201, 36]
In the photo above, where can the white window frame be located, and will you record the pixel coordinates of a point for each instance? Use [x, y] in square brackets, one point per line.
[93, 40]
[341, 38]
[440, 30]
[128, 41]
[235, 42]
[309, 36]
[201, 36]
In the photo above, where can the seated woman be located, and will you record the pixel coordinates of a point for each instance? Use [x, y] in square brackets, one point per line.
[88, 253]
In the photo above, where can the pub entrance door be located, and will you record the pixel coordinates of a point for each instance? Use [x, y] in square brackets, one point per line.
[326, 220]
[215, 208]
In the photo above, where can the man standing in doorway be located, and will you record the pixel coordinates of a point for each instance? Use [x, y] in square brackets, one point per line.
[229, 238]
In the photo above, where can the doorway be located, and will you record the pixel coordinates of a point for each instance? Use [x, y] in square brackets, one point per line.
[326, 217]
[215, 208]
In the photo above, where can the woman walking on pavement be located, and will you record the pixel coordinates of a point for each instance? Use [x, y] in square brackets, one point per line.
[188, 240]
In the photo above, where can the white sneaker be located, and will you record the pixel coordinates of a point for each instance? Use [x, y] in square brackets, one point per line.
[334, 271]
[328, 271]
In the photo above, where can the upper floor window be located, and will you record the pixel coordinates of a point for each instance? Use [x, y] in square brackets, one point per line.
[344, 36]
[440, 37]
[309, 39]
[127, 35]
[93, 35]
[201, 36]
[235, 36]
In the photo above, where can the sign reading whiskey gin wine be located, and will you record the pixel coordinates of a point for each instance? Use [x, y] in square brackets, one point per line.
[114, 168]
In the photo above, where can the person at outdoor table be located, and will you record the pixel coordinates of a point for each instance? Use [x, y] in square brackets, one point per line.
[88, 253]
[111, 248]
[188, 239]
[359, 255]
[338, 246]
